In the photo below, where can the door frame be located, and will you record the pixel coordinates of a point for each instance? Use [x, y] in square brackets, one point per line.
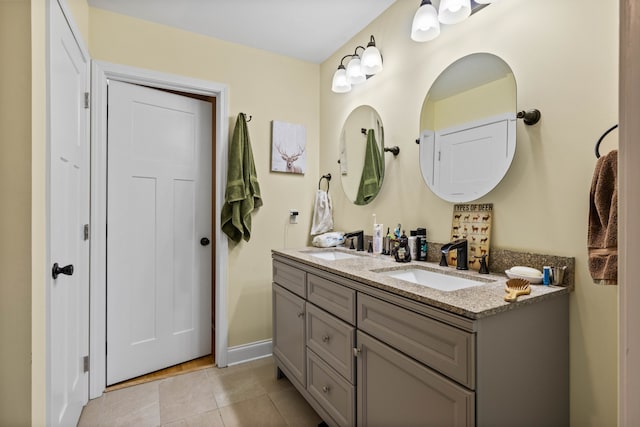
[100, 73]
[628, 226]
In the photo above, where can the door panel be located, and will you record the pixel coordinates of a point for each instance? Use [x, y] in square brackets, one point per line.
[69, 211]
[159, 207]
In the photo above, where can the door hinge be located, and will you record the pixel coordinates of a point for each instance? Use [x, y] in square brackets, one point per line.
[85, 363]
[87, 98]
[85, 229]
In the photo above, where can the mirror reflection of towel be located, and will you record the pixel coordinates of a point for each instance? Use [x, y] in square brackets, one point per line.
[602, 236]
[372, 171]
[322, 214]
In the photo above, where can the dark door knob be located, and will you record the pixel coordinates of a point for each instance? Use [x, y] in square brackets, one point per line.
[57, 270]
[204, 241]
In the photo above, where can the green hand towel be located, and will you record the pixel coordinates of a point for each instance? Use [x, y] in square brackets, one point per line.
[242, 194]
[372, 171]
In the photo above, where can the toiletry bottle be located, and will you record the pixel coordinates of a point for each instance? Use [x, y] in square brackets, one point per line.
[546, 275]
[377, 236]
[422, 237]
[403, 254]
[386, 250]
[412, 244]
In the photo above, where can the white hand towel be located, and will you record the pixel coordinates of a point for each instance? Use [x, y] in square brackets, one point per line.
[322, 214]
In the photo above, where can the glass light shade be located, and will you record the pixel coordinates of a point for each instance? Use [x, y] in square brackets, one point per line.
[454, 11]
[340, 82]
[354, 71]
[371, 61]
[425, 25]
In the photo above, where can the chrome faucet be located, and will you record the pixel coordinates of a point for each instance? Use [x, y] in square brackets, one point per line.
[460, 246]
[359, 235]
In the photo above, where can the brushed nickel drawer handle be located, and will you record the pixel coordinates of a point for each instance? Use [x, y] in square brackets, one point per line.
[326, 338]
[326, 389]
[356, 352]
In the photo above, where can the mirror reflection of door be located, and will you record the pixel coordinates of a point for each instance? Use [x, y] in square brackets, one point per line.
[364, 122]
[467, 128]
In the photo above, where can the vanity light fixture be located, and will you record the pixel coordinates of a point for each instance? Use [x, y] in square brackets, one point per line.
[425, 25]
[427, 20]
[358, 69]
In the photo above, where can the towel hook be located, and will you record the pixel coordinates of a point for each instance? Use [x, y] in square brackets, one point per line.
[250, 117]
[597, 149]
[328, 178]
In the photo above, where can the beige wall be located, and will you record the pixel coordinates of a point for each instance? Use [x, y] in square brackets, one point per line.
[263, 85]
[562, 66]
[15, 210]
[491, 99]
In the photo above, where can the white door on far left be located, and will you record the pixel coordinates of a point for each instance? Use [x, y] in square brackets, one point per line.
[68, 271]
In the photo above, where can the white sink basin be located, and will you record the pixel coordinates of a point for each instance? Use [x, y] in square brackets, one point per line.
[431, 279]
[331, 255]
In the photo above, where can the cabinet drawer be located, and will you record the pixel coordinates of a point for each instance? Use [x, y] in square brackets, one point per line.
[336, 299]
[290, 278]
[335, 394]
[444, 348]
[332, 339]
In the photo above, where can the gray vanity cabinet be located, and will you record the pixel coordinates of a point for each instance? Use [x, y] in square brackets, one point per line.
[364, 356]
[394, 389]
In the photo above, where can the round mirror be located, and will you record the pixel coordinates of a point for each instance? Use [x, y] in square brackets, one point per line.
[362, 155]
[468, 128]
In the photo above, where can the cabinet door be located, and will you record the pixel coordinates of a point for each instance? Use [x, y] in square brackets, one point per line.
[289, 333]
[395, 390]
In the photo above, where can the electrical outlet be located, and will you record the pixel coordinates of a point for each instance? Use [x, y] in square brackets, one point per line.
[293, 216]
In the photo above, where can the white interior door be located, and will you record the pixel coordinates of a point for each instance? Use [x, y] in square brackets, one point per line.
[158, 210]
[69, 212]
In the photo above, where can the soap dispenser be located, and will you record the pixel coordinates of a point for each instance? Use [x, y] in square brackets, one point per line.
[403, 254]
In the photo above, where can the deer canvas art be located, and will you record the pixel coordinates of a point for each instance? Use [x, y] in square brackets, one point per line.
[288, 152]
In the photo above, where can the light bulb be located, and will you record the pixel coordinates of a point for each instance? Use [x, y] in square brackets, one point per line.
[340, 82]
[371, 61]
[354, 71]
[425, 25]
[454, 11]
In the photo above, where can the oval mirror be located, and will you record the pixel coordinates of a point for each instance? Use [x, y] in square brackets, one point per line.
[468, 128]
[362, 155]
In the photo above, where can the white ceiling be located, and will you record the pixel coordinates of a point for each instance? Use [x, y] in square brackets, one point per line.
[310, 30]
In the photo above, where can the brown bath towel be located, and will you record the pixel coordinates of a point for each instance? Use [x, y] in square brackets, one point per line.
[602, 237]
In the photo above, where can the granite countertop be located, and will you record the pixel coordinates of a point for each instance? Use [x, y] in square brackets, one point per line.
[474, 302]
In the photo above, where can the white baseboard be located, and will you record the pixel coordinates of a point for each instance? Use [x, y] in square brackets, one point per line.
[247, 352]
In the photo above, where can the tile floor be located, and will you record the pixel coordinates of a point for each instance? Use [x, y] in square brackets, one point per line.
[240, 396]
